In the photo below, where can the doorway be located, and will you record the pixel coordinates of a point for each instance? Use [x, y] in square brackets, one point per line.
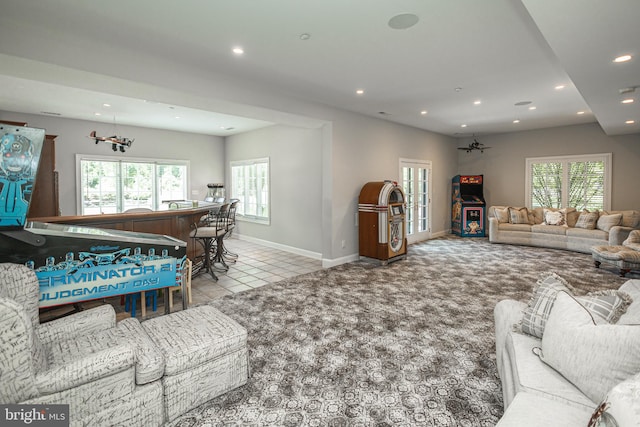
[415, 180]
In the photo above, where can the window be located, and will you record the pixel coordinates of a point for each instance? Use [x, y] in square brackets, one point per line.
[110, 185]
[250, 184]
[581, 182]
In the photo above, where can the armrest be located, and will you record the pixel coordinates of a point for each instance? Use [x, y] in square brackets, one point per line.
[619, 234]
[16, 343]
[83, 323]
[493, 228]
[87, 369]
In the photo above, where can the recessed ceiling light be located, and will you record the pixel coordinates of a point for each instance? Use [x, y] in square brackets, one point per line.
[630, 122]
[457, 89]
[305, 36]
[97, 114]
[360, 92]
[516, 121]
[463, 126]
[559, 87]
[177, 117]
[238, 50]
[106, 105]
[477, 102]
[580, 113]
[403, 21]
[533, 107]
[424, 112]
[627, 101]
[623, 58]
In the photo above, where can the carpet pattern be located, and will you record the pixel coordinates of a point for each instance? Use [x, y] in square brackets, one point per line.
[407, 344]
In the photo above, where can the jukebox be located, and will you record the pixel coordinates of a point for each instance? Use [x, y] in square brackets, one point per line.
[468, 206]
[381, 219]
[75, 264]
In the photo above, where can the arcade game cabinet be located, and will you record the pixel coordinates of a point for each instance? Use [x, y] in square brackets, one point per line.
[468, 207]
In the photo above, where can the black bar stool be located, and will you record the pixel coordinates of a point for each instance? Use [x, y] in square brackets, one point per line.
[205, 232]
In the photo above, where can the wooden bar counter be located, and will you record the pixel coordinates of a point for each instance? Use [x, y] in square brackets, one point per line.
[176, 223]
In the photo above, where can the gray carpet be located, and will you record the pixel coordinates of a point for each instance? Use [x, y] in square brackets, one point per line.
[408, 344]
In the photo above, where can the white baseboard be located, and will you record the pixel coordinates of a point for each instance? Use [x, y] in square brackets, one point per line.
[290, 249]
[326, 263]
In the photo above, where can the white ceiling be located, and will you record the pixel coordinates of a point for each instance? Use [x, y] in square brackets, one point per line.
[500, 52]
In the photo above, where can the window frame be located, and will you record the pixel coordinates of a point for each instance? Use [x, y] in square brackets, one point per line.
[251, 162]
[120, 160]
[565, 160]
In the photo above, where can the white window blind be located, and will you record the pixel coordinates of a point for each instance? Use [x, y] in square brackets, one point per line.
[250, 185]
[581, 182]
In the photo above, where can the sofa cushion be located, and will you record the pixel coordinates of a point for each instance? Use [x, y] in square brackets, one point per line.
[630, 218]
[587, 220]
[621, 407]
[514, 227]
[518, 215]
[588, 234]
[530, 374]
[632, 315]
[531, 410]
[592, 357]
[535, 316]
[605, 222]
[554, 217]
[606, 306]
[549, 229]
[501, 214]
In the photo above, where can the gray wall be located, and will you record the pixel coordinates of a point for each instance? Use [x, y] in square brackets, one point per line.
[503, 165]
[367, 149]
[205, 153]
[295, 168]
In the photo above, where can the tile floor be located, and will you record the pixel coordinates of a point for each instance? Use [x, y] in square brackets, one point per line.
[256, 266]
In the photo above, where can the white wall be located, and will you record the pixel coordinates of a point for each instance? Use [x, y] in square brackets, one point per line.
[503, 166]
[295, 188]
[205, 153]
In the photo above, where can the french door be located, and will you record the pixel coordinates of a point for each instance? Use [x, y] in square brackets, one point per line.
[415, 179]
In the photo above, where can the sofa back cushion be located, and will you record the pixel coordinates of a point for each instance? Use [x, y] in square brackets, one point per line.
[518, 216]
[607, 221]
[587, 220]
[593, 357]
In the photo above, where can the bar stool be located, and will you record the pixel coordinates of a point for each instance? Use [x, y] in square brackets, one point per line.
[231, 225]
[206, 233]
[221, 222]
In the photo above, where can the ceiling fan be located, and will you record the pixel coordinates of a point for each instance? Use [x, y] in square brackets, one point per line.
[475, 145]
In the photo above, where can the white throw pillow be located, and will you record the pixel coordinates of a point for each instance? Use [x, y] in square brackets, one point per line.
[621, 407]
[554, 218]
[592, 357]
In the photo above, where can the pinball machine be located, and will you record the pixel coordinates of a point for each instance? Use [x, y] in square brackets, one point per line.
[74, 263]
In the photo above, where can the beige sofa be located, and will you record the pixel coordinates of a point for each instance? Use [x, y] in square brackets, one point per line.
[560, 228]
[541, 391]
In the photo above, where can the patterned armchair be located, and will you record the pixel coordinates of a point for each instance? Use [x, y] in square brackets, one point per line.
[107, 373]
